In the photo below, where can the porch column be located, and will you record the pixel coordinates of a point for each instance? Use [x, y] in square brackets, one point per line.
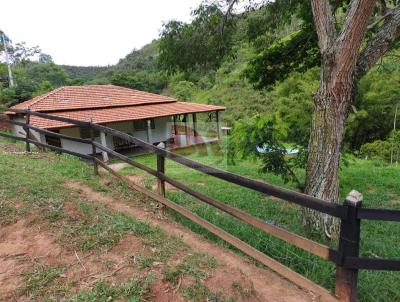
[217, 115]
[187, 134]
[194, 117]
[175, 125]
[149, 136]
[103, 141]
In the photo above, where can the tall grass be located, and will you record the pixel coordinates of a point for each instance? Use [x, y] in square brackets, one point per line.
[378, 183]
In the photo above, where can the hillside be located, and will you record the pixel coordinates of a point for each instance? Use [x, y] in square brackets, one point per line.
[86, 73]
[183, 63]
[67, 235]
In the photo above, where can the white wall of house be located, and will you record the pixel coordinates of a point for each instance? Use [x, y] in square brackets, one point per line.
[75, 146]
[19, 130]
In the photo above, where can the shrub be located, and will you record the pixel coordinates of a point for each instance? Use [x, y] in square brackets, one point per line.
[377, 149]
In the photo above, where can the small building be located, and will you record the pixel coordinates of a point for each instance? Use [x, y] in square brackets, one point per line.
[151, 117]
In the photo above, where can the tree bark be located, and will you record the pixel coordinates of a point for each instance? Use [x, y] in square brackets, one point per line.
[339, 54]
[322, 174]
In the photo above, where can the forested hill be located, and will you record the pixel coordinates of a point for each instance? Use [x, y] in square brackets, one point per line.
[86, 73]
[141, 60]
[264, 61]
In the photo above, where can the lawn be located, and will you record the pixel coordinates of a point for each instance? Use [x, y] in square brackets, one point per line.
[123, 258]
[378, 183]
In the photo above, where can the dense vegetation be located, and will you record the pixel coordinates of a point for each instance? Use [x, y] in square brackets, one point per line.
[227, 72]
[263, 65]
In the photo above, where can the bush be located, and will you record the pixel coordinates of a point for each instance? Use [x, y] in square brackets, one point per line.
[377, 149]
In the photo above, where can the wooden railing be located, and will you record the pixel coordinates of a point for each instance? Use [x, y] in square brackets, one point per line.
[345, 257]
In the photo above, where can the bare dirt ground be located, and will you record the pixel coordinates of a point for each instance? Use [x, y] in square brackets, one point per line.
[267, 285]
[28, 247]
[36, 265]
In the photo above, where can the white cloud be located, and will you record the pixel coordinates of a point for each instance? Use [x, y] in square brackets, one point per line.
[89, 32]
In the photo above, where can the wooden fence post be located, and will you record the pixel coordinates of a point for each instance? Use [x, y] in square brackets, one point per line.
[161, 169]
[160, 182]
[349, 245]
[218, 118]
[92, 138]
[27, 121]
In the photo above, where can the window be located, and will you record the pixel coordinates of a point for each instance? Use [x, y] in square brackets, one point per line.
[85, 132]
[53, 140]
[142, 125]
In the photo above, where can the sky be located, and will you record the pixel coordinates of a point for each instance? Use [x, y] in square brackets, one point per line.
[89, 32]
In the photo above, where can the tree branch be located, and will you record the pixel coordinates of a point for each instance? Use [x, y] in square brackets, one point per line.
[350, 38]
[226, 16]
[377, 21]
[324, 23]
[380, 43]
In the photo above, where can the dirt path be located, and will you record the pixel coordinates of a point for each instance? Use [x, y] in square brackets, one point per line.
[268, 285]
[25, 246]
[118, 166]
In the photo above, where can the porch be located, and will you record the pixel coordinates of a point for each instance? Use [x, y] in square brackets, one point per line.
[182, 141]
[173, 132]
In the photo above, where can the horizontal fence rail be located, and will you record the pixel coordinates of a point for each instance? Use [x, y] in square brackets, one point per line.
[346, 258]
[313, 247]
[379, 214]
[50, 133]
[288, 195]
[371, 263]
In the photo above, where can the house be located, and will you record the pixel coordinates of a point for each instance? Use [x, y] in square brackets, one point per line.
[151, 117]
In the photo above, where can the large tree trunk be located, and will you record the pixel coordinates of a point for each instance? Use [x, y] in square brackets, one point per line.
[339, 55]
[322, 174]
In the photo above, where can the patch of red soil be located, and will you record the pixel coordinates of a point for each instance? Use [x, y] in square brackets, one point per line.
[21, 247]
[267, 285]
[24, 246]
[71, 210]
[163, 292]
[234, 282]
[9, 147]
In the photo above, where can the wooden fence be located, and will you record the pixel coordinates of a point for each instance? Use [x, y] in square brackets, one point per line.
[345, 257]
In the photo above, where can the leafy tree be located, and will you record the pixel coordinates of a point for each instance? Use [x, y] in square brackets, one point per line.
[20, 53]
[140, 59]
[143, 80]
[183, 90]
[295, 52]
[343, 29]
[200, 45]
[262, 137]
[40, 72]
[376, 150]
[45, 58]
[31, 77]
[378, 95]
[43, 88]
[388, 150]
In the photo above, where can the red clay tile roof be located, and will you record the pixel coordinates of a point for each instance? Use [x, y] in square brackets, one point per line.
[105, 104]
[91, 96]
[128, 113]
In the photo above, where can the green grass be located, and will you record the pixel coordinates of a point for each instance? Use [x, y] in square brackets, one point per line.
[43, 193]
[27, 185]
[32, 187]
[198, 266]
[378, 183]
[43, 281]
[133, 291]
